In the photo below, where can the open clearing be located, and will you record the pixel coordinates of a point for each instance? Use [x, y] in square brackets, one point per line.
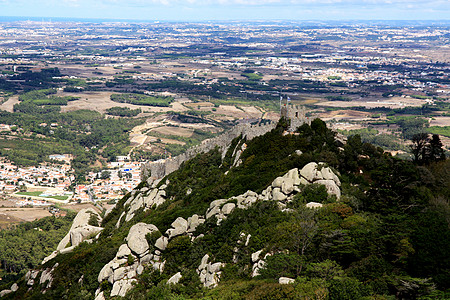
[26, 214]
[8, 220]
[345, 114]
[101, 101]
[440, 121]
[394, 102]
[78, 207]
[9, 105]
[179, 131]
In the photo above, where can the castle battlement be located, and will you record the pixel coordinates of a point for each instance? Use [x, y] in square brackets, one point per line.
[161, 168]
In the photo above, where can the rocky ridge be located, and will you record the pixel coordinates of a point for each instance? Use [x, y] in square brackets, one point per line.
[121, 273]
[136, 253]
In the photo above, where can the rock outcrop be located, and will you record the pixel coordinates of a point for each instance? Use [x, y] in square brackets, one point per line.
[209, 272]
[132, 257]
[285, 280]
[80, 229]
[12, 289]
[145, 199]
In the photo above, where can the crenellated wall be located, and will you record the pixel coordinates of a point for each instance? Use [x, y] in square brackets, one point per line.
[160, 168]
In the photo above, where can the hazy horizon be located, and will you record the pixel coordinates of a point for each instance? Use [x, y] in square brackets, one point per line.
[223, 10]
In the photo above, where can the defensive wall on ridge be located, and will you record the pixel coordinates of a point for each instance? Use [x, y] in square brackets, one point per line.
[160, 168]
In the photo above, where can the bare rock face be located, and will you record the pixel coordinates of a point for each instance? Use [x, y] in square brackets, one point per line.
[194, 221]
[106, 272]
[81, 220]
[285, 280]
[100, 296]
[80, 234]
[136, 237]
[161, 243]
[277, 195]
[293, 174]
[255, 256]
[278, 182]
[309, 171]
[209, 273]
[331, 187]
[314, 205]
[5, 292]
[123, 251]
[50, 257]
[287, 186]
[175, 278]
[180, 226]
[228, 208]
[121, 287]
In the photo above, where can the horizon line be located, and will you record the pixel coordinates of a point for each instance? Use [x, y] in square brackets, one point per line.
[119, 20]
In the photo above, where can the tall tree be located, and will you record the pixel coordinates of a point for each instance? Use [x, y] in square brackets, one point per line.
[436, 150]
[418, 147]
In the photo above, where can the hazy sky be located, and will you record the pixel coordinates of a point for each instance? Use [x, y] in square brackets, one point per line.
[231, 9]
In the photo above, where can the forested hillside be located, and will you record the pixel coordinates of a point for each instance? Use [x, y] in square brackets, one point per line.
[380, 230]
[25, 245]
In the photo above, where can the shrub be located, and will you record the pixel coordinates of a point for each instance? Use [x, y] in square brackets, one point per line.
[282, 265]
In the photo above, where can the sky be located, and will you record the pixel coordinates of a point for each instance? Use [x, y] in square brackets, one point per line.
[205, 10]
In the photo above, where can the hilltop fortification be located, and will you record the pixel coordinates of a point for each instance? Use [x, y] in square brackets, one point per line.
[159, 169]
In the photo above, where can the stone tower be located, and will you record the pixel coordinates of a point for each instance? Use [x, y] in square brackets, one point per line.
[296, 114]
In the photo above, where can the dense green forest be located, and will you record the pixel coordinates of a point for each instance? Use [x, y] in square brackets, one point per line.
[388, 237]
[25, 245]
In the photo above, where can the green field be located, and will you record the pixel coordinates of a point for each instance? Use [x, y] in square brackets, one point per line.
[38, 194]
[32, 194]
[445, 130]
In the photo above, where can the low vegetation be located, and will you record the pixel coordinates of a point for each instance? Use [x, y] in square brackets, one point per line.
[24, 246]
[141, 99]
[123, 111]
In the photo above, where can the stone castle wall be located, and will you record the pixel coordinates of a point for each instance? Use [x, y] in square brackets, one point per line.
[159, 169]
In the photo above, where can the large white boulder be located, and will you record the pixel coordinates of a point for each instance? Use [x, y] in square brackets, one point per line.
[193, 222]
[285, 280]
[204, 262]
[121, 287]
[180, 226]
[136, 237]
[100, 296]
[331, 187]
[255, 256]
[314, 205]
[309, 171]
[105, 272]
[293, 174]
[162, 243]
[277, 195]
[80, 234]
[175, 278]
[14, 287]
[228, 208]
[123, 251]
[278, 182]
[288, 186]
[81, 220]
[212, 211]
